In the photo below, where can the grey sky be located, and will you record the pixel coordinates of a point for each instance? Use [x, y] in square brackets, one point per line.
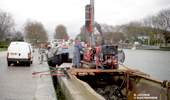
[71, 13]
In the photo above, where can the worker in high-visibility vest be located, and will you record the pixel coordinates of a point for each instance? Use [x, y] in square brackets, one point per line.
[77, 48]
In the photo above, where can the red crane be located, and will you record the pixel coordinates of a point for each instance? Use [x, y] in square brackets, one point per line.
[103, 56]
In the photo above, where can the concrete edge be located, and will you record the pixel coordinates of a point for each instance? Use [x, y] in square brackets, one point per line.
[45, 88]
[90, 93]
[65, 91]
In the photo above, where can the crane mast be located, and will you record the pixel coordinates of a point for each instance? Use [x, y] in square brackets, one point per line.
[103, 56]
[92, 38]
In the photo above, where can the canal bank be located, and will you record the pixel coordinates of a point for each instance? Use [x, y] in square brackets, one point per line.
[145, 47]
[45, 88]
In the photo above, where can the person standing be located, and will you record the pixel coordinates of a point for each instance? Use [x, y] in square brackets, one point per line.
[77, 48]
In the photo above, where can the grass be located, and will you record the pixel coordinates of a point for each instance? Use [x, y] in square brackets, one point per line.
[4, 45]
[2, 49]
[59, 94]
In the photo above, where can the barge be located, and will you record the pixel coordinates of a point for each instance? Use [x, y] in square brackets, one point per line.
[110, 84]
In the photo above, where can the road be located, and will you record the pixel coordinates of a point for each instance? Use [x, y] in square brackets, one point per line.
[17, 82]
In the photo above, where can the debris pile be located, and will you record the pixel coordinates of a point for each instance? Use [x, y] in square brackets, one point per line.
[111, 92]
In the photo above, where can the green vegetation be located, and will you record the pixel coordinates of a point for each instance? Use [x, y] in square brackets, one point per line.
[3, 49]
[163, 47]
[58, 92]
[3, 46]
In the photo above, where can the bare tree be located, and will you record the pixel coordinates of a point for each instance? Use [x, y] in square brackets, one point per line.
[164, 23]
[35, 32]
[164, 16]
[17, 36]
[130, 30]
[6, 24]
[84, 34]
[106, 28]
[111, 34]
[61, 32]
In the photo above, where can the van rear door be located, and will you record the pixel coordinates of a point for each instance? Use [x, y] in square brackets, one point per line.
[23, 51]
[13, 51]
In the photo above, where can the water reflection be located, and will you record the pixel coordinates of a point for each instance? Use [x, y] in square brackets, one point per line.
[153, 62]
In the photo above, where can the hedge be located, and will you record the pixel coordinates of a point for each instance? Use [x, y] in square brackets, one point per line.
[165, 47]
[3, 46]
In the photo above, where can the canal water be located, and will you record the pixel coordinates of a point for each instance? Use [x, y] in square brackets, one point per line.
[153, 62]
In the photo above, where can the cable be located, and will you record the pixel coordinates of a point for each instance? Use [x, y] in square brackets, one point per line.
[132, 69]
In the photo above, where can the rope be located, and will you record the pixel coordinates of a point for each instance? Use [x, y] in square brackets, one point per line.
[133, 69]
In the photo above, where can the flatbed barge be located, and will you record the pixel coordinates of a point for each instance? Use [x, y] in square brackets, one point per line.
[84, 84]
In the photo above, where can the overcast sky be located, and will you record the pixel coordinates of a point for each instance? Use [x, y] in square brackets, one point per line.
[71, 13]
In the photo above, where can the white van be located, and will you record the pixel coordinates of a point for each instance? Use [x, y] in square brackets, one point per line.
[20, 52]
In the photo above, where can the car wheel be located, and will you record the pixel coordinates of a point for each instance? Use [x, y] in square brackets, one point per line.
[9, 63]
[28, 63]
[31, 62]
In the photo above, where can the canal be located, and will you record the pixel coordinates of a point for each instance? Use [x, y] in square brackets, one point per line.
[153, 62]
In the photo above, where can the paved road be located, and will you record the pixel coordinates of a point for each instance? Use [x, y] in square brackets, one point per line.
[18, 83]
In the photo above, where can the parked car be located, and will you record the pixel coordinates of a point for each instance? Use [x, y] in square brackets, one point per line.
[20, 52]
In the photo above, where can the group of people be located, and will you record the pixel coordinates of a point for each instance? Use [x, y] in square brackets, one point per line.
[77, 48]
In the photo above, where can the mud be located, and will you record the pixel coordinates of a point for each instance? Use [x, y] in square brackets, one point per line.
[111, 92]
